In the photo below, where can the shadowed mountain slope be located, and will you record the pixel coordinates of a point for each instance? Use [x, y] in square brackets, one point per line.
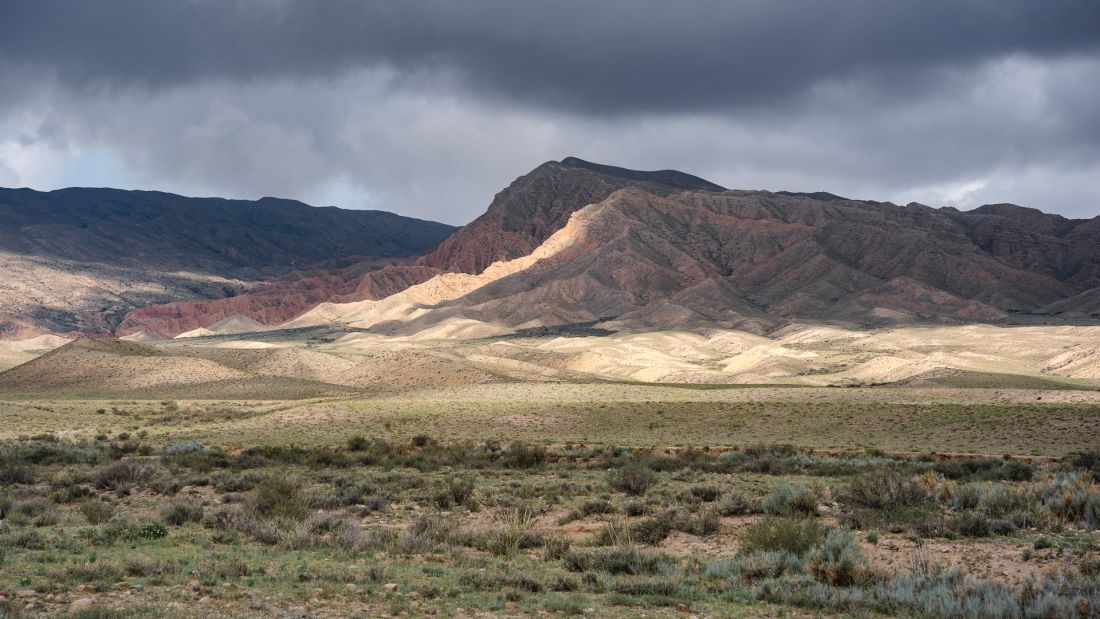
[753, 259]
[80, 259]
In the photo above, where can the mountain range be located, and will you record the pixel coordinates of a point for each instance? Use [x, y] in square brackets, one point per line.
[570, 242]
[78, 260]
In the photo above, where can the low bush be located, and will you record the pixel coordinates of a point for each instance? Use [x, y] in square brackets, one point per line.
[651, 531]
[838, 560]
[884, 489]
[791, 501]
[757, 565]
[736, 504]
[279, 496]
[523, 456]
[512, 532]
[634, 480]
[705, 493]
[794, 535]
[96, 511]
[455, 492]
[627, 559]
[177, 513]
[119, 476]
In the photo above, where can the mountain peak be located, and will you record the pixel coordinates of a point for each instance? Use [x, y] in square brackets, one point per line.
[671, 178]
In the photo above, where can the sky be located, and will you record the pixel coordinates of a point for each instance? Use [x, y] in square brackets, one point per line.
[429, 107]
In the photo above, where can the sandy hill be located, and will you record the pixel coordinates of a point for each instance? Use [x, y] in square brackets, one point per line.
[226, 326]
[78, 259]
[117, 368]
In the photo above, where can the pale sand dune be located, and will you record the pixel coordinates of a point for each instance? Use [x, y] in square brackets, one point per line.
[226, 326]
[14, 353]
[140, 336]
[460, 329]
[461, 351]
[301, 363]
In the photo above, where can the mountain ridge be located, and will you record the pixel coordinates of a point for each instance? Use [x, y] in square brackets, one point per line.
[77, 260]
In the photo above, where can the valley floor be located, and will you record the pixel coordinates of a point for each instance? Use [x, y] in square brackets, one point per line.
[329, 474]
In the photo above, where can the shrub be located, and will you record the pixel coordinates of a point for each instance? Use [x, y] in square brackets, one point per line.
[424, 533]
[634, 480]
[627, 559]
[705, 493]
[12, 473]
[152, 530]
[119, 476]
[1069, 495]
[522, 456]
[1087, 460]
[758, 565]
[96, 511]
[791, 501]
[972, 523]
[455, 492]
[651, 530]
[279, 496]
[882, 488]
[179, 512]
[792, 535]
[358, 443]
[735, 504]
[596, 506]
[967, 497]
[555, 548]
[838, 560]
[513, 532]
[706, 523]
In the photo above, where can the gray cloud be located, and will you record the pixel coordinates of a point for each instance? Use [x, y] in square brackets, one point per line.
[430, 107]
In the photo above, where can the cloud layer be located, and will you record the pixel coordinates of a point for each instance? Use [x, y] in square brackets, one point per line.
[427, 108]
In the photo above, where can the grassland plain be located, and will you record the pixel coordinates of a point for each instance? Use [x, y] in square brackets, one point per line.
[116, 526]
[978, 421]
[555, 499]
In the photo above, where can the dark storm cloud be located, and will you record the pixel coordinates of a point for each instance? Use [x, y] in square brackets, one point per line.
[607, 56]
[428, 107]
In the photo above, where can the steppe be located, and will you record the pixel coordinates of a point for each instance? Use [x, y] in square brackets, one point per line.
[330, 471]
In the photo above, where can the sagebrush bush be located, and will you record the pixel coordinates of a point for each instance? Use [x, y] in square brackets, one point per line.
[424, 533]
[791, 501]
[794, 535]
[279, 496]
[523, 456]
[1070, 496]
[13, 473]
[455, 492]
[882, 488]
[626, 559]
[119, 476]
[838, 559]
[705, 493]
[651, 531]
[736, 504]
[757, 565]
[634, 479]
[96, 511]
[177, 512]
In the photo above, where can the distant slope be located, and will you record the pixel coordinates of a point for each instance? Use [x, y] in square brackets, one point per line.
[78, 260]
[519, 219]
[539, 203]
[209, 235]
[650, 257]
